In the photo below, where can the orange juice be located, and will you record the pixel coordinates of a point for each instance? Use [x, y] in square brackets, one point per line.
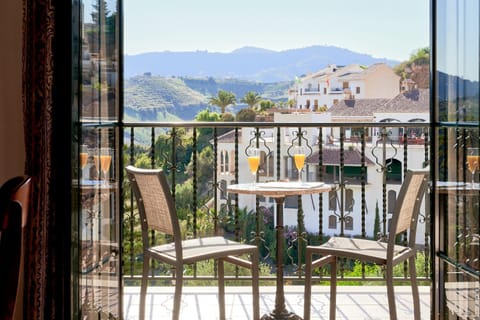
[105, 161]
[473, 162]
[83, 159]
[253, 163]
[299, 160]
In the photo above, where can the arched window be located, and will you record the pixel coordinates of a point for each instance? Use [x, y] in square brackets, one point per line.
[222, 163]
[232, 161]
[291, 202]
[226, 163]
[332, 200]
[348, 223]
[394, 171]
[392, 199]
[223, 189]
[389, 120]
[332, 222]
[349, 200]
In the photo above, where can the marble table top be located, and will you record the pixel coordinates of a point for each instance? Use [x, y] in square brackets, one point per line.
[280, 188]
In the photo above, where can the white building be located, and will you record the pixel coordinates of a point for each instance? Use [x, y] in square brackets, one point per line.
[332, 84]
[406, 107]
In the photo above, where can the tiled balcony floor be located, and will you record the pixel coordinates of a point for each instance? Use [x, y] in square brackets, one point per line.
[353, 302]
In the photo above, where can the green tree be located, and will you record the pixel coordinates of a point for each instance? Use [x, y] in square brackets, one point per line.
[207, 115]
[252, 99]
[247, 115]
[183, 153]
[183, 199]
[322, 108]
[204, 167]
[205, 134]
[292, 103]
[421, 56]
[223, 99]
[265, 105]
[227, 117]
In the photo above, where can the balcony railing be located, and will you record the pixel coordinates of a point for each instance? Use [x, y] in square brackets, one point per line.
[364, 162]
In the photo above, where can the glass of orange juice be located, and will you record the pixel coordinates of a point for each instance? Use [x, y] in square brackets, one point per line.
[83, 156]
[473, 161]
[105, 162]
[253, 162]
[299, 159]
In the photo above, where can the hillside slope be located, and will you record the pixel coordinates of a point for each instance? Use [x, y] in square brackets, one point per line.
[155, 98]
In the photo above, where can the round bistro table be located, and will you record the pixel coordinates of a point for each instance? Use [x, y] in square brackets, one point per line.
[278, 191]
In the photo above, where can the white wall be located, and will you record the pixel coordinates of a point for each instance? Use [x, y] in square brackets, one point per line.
[11, 115]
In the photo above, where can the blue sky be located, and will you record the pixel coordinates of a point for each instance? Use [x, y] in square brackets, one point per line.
[383, 28]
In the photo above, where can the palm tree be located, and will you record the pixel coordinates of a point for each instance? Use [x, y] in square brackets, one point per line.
[252, 99]
[223, 99]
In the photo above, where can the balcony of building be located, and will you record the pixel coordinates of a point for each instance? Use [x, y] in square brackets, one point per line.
[199, 302]
[364, 165]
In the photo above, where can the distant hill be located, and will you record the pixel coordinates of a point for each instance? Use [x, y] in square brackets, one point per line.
[466, 97]
[155, 98]
[247, 63]
[158, 98]
[465, 88]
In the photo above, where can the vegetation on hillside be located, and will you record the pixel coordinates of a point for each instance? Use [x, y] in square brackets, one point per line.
[158, 92]
[416, 68]
[154, 98]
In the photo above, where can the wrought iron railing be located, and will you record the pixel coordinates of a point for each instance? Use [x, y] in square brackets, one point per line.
[364, 162]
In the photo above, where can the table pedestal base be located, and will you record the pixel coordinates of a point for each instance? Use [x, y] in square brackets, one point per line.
[283, 316]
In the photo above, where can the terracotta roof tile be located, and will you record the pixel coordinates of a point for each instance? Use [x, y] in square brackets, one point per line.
[413, 101]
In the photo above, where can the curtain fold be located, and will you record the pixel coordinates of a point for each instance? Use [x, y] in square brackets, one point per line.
[45, 295]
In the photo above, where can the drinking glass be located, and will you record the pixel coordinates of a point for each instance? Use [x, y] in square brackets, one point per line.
[253, 162]
[473, 161]
[299, 159]
[105, 161]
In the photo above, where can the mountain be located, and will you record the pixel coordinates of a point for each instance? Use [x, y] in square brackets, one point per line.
[247, 63]
[466, 89]
[465, 95]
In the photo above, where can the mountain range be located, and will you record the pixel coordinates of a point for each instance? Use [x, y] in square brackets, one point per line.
[246, 63]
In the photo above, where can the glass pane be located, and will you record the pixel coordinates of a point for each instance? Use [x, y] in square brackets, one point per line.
[99, 264]
[462, 294]
[457, 134]
[99, 64]
[457, 60]
[96, 258]
[458, 202]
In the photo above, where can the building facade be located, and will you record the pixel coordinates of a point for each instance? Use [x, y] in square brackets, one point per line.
[405, 107]
[326, 87]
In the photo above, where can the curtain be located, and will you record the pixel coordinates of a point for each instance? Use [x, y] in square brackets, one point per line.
[46, 100]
